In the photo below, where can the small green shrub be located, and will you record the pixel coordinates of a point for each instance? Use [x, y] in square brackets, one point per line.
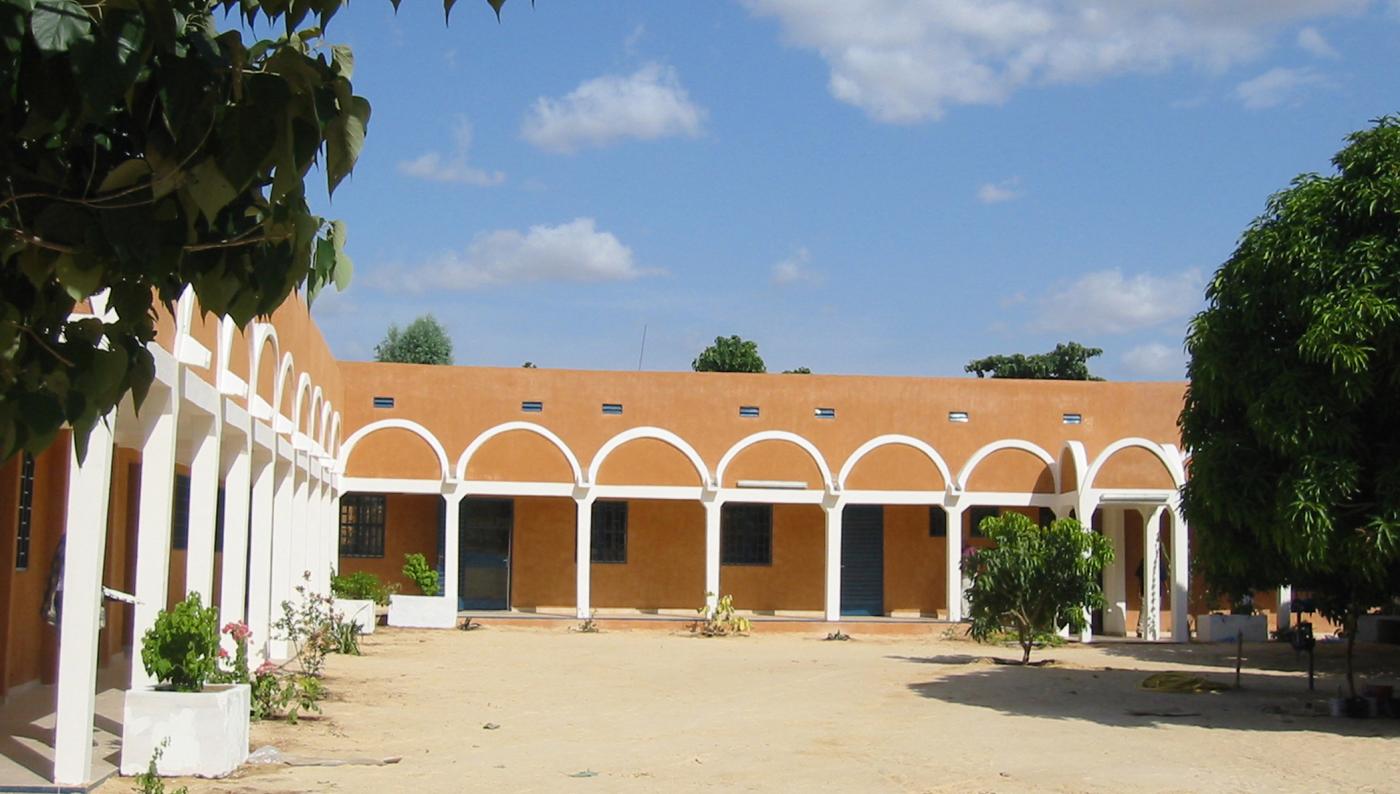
[416, 568]
[361, 586]
[149, 782]
[308, 626]
[721, 620]
[181, 650]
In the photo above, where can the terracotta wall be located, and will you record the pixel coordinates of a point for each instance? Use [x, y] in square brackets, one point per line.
[410, 525]
[542, 554]
[914, 562]
[665, 566]
[797, 578]
[31, 644]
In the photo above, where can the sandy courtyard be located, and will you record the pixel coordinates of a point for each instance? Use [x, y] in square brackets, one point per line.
[657, 711]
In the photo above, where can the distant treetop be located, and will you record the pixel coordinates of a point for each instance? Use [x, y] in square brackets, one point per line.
[424, 341]
[1068, 361]
[729, 354]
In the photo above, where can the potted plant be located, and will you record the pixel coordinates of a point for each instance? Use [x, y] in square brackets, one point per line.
[205, 725]
[356, 597]
[1219, 626]
[431, 610]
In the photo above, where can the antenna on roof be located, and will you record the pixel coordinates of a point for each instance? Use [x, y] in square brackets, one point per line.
[643, 351]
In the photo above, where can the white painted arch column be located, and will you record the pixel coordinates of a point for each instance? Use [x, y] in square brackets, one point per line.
[583, 554]
[834, 508]
[953, 583]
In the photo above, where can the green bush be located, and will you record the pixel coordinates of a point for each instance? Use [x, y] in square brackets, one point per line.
[416, 568]
[361, 586]
[182, 649]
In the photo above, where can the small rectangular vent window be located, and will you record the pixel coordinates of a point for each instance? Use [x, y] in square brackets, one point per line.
[825, 413]
[532, 406]
[383, 402]
[957, 416]
[612, 409]
[1072, 419]
[748, 411]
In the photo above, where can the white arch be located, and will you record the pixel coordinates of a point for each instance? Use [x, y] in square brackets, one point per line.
[1172, 463]
[262, 334]
[313, 416]
[343, 458]
[529, 427]
[891, 439]
[299, 401]
[284, 377]
[324, 425]
[184, 311]
[334, 450]
[774, 435]
[1006, 443]
[227, 333]
[660, 434]
[1081, 464]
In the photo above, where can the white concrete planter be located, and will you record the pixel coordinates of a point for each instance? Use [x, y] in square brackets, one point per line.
[1225, 628]
[208, 731]
[1378, 628]
[422, 612]
[355, 610]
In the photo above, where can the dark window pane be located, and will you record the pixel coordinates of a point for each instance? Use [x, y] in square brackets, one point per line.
[937, 522]
[180, 513]
[746, 534]
[976, 515]
[362, 525]
[609, 532]
[26, 512]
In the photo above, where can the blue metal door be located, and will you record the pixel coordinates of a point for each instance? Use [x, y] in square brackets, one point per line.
[863, 560]
[484, 551]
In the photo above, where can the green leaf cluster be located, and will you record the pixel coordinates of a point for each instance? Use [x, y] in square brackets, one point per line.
[417, 570]
[729, 354]
[1068, 361]
[182, 648]
[1034, 579]
[361, 586]
[424, 341]
[1292, 415]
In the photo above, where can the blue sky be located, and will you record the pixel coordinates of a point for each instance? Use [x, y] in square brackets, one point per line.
[865, 186]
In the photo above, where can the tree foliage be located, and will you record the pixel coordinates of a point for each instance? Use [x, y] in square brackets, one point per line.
[798, 371]
[424, 341]
[729, 354]
[143, 151]
[1068, 361]
[1291, 413]
[1034, 579]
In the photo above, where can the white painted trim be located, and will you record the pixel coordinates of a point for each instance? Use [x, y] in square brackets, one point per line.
[333, 448]
[389, 485]
[774, 435]
[660, 434]
[199, 394]
[285, 370]
[299, 407]
[770, 496]
[1007, 443]
[894, 439]
[873, 497]
[1080, 459]
[529, 427]
[508, 488]
[324, 426]
[1007, 499]
[1173, 467]
[671, 492]
[394, 424]
[262, 334]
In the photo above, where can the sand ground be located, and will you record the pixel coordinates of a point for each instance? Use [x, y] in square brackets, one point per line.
[662, 711]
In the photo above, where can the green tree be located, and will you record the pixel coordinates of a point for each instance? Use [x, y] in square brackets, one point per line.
[1034, 579]
[144, 151]
[1068, 361]
[798, 371]
[1291, 413]
[424, 341]
[729, 354]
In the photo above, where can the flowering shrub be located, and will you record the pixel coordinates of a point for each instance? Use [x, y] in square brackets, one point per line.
[181, 650]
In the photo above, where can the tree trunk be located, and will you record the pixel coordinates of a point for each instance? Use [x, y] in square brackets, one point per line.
[1025, 650]
[1351, 647]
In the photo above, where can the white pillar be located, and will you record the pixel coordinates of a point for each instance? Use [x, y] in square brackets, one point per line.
[1283, 619]
[153, 521]
[312, 530]
[89, 485]
[260, 509]
[1115, 587]
[332, 521]
[1087, 505]
[713, 510]
[301, 501]
[835, 513]
[232, 586]
[1181, 577]
[1151, 574]
[204, 501]
[953, 579]
[583, 557]
[281, 546]
[451, 549]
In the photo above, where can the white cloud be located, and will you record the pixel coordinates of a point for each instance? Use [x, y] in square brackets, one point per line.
[1276, 87]
[570, 252]
[1155, 360]
[436, 168]
[909, 60]
[1315, 44]
[999, 192]
[646, 105]
[794, 270]
[1106, 302]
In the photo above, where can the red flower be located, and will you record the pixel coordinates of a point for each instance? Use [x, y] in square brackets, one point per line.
[223, 653]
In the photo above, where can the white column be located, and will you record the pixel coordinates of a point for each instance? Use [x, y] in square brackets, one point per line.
[1115, 586]
[204, 501]
[1181, 577]
[1283, 618]
[835, 513]
[153, 520]
[232, 587]
[332, 522]
[583, 557]
[1151, 574]
[260, 552]
[953, 578]
[1087, 505]
[301, 500]
[89, 485]
[451, 548]
[713, 509]
[320, 583]
[281, 546]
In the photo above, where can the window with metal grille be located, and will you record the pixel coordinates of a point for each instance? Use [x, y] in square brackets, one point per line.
[532, 406]
[383, 402]
[180, 514]
[26, 512]
[937, 522]
[362, 525]
[609, 542]
[1047, 517]
[612, 409]
[824, 413]
[748, 411]
[746, 534]
[1072, 419]
[976, 515]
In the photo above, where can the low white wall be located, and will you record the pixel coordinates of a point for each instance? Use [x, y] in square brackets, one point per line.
[422, 612]
[207, 731]
[1378, 628]
[1225, 628]
[356, 610]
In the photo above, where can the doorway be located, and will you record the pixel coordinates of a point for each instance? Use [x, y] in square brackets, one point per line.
[863, 560]
[484, 553]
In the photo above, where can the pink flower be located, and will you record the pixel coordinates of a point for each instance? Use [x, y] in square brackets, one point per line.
[238, 630]
[223, 653]
[266, 667]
